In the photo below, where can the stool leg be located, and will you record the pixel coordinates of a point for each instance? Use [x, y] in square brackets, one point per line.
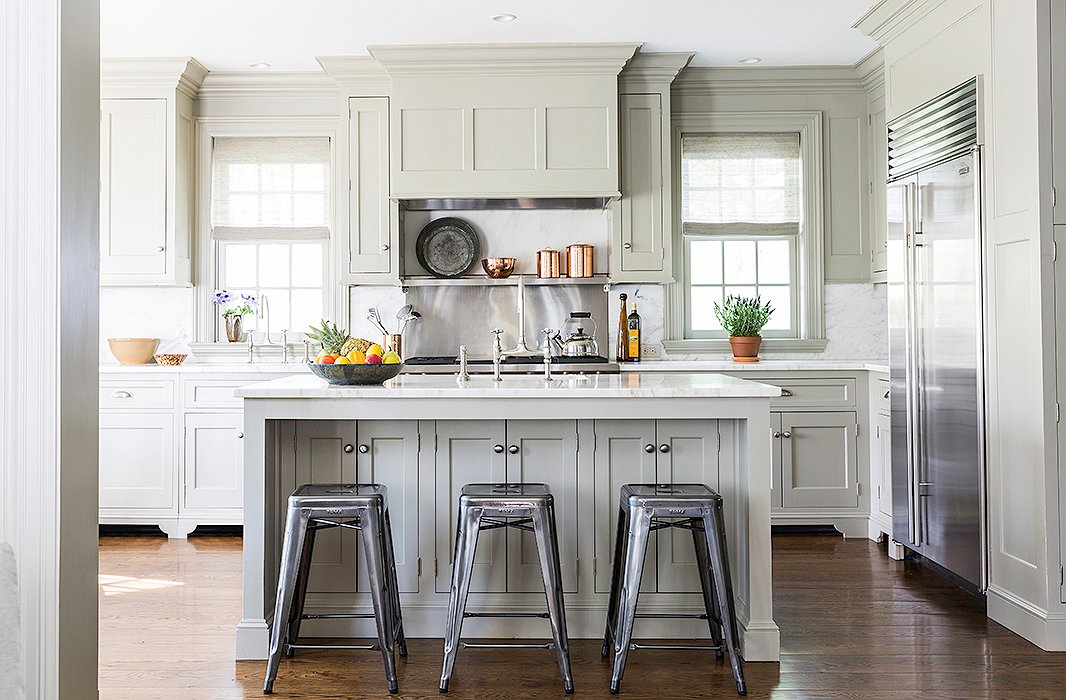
[714, 524]
[636, 547]
[394, 587]
[462, 568]
[291, 553]
[710, 600]
[373, 533]
[296, 616]
[548, 549]
[616, 583]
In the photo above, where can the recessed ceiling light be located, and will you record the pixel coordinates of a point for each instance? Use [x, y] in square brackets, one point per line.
[750, 60]
[504, 18]
[259, 65]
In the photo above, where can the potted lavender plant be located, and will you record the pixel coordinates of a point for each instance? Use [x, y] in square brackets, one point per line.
[234, 308]
[743, 319]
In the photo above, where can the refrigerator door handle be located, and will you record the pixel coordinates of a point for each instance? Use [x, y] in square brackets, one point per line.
[914, 506]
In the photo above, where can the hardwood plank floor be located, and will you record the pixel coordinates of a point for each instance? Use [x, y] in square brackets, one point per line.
[854, 624]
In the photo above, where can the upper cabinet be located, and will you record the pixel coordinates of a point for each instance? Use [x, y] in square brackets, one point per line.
[504, 121]
[371, 248]
[641, 219]
[146, 170]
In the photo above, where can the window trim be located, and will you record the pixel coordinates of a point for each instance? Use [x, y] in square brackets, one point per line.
[810, 281]
[204, 248]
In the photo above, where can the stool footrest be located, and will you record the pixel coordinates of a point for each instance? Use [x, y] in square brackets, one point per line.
[542, 615]
[470, 645]
[337, 616]
[670, 616]
[674, 647]
[352, 647]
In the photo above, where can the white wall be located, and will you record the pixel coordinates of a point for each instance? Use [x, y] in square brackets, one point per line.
[147, 312]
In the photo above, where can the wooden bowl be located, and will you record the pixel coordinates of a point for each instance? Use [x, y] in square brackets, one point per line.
[499, 268]
[133, 351]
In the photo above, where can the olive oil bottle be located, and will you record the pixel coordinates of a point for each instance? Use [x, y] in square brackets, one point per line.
[633, 335]
[623, 330]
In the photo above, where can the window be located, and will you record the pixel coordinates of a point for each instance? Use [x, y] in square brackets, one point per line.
[740, 217]
[748, 221]
[270, 224]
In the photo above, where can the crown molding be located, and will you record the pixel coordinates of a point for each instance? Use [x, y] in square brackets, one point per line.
[707, 80]
[653, 69]
[504, 59]
[183, 73]
[356, 74]
[889, 18]
[871, 69]
[290, 84]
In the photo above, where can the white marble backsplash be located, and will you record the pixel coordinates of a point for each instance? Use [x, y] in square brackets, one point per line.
[146, 312]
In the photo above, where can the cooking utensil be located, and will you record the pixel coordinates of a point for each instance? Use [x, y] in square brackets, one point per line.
[577, 338]
[413, 316]
[404, 312]
[374, 317]
[356, 375]
[579, 260]
[133, 351]
[548, 263]
[499, 268]
[447, 247]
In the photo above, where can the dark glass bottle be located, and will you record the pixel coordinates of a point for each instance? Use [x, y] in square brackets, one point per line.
[623, 332]
[633, 336]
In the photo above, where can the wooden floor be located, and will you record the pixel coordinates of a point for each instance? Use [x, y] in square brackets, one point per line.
[854, 624]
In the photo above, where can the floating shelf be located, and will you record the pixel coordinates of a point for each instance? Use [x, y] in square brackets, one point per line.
[484, 281]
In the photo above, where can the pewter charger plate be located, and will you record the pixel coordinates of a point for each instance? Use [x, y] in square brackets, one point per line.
[447, 247]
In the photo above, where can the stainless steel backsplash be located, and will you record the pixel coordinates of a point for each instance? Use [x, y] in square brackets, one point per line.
[460, 315]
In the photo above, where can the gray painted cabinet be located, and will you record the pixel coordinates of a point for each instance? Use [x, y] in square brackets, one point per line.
[815, 460]
[371, 245]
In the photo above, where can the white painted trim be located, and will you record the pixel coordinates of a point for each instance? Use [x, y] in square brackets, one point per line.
[234, 85]
[504, 59]
[786, 80]
[888, 19]
[1045, 629]
[207, 128]
[811, 283]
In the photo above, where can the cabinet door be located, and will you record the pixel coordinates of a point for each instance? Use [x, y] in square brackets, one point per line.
[775, 461]
[883, 463]
[321, 459]
[388, 455]
[640, 229]
[878, 191]
[466, 453]
[687, 454]
[137, 461]
[819, 460]
[621, 458]
[133, 186]
[546, 453]
[370, 248]
[214, 460]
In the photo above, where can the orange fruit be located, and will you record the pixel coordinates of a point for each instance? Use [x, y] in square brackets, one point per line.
[326, 360]
[358, 358]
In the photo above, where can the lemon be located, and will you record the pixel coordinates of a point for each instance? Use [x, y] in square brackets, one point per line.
[342, 360]
[391, 359]
[375, 349]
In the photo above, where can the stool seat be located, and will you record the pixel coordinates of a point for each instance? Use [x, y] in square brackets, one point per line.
[315, 507]
[642, 509]
[527, 507]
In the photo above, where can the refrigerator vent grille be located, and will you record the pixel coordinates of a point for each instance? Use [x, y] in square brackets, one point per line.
[939, 130]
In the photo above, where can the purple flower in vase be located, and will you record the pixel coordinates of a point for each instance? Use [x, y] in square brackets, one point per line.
[222, 297]
[250, 300]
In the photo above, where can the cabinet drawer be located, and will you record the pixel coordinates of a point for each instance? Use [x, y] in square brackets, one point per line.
[813, 393]
[882, 396]
[136, 394]
[213, 394]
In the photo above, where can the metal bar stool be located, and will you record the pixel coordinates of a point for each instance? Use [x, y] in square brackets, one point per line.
[644, 508]
[314, 507]
[528, 507]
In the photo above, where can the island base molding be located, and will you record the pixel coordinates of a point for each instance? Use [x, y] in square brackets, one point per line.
[1043, 628]
[759, 641]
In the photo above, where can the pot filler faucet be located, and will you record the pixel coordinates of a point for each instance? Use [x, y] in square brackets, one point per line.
[521, 349]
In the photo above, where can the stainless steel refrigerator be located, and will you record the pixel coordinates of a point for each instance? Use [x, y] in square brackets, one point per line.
[936, 334]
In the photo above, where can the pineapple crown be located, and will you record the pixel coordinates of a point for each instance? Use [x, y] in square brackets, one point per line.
[330, 336]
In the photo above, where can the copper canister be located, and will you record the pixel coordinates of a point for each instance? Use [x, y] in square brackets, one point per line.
[548, 263]
[579, 262]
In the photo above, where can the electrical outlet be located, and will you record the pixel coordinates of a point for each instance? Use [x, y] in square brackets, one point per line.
[649, 350]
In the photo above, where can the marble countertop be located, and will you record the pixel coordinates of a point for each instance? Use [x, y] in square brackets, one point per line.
[764, 365]
[603, 386]
[210, 368]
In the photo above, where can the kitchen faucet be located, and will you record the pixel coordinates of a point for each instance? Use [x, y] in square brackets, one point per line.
[521, 349]
[264, 315]
[497, 355]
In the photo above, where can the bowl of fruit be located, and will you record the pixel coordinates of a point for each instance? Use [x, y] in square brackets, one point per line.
[348, 361]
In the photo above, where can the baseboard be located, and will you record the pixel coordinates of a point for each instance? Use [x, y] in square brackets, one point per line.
[849, 524]
[1045, 629]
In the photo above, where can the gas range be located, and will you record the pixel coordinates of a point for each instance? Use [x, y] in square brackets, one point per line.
[449, 364]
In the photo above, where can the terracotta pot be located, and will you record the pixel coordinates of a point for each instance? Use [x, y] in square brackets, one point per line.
[745, 347]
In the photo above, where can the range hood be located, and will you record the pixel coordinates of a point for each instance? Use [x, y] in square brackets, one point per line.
[471, 203]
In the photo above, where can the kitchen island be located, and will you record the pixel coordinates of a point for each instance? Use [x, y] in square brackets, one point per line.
[424, 437]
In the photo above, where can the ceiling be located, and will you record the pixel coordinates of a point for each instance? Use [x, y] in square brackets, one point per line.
[288, 34]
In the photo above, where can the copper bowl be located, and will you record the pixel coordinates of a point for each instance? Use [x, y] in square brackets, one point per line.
[499, 268]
